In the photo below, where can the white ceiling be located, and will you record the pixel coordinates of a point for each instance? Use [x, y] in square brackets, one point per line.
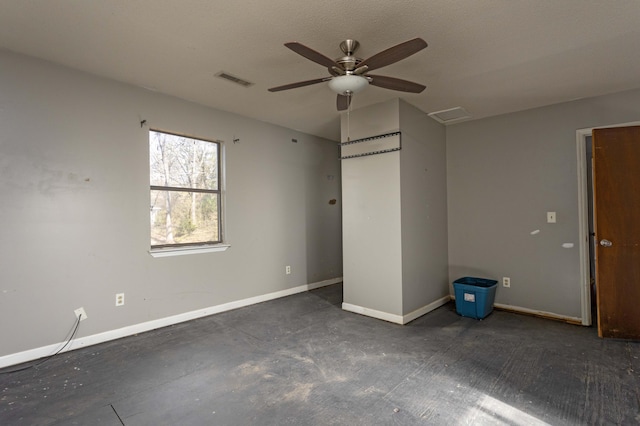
[488, 56]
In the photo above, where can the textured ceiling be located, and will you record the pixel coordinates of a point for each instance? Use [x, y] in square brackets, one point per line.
[488, 56]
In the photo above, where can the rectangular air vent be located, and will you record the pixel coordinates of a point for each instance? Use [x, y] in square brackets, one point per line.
[450, 115]
[234, 79]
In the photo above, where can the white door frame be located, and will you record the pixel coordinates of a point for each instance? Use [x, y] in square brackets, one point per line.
[583, 217]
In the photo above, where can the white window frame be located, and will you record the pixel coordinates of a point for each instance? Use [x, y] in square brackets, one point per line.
[198, 247]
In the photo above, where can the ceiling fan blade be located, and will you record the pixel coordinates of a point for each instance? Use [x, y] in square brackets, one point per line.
[299, 84]
[311, 54]
[395, 84]
[394, 54]
[343, 102]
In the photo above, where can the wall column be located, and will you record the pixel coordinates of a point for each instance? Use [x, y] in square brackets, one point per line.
[394, 216]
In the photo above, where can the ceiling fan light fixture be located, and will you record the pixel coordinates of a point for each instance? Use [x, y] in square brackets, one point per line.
[348, 84]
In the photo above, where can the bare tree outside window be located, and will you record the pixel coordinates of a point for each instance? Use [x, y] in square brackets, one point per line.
[185, 190]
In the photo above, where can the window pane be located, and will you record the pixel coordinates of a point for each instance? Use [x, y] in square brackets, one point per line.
[179, 217]
[182, 162]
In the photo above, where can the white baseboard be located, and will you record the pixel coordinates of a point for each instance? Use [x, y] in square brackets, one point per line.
[385, 316]
[37, 353]
[396, 319]
[324, 283]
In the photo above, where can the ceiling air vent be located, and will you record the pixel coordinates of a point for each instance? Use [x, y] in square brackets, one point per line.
[450, 115]
[234, 79]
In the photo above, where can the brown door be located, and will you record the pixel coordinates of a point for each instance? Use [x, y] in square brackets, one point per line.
[616, 186]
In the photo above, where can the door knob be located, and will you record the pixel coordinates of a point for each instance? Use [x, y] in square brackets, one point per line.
[606, 243]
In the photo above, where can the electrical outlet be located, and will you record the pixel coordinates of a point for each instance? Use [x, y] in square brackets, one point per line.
[80, 313]
[506, 282]
[119, 299]
[287, 270]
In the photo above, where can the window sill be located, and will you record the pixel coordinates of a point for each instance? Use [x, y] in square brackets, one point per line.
[179, 251]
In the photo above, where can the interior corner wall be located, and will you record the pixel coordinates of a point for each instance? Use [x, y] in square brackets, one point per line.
[503, 174]
[74, 183]
[372, 120]
[423, 186]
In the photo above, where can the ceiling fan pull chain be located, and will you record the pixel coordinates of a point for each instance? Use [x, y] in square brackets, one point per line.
[349, 122]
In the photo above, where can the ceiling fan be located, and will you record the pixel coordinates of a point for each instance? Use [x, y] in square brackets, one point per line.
[350, 74]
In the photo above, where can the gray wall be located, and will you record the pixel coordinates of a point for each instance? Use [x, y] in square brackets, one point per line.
[75, 206]
[503, 174]
[424, 209]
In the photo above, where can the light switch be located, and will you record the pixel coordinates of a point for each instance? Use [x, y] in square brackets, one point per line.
[551, 217]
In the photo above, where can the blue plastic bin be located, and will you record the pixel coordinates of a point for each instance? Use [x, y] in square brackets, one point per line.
[474, 296]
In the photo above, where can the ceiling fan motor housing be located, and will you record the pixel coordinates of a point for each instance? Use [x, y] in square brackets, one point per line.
[348, 62]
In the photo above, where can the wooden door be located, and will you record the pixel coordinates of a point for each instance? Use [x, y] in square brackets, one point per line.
[616, 163]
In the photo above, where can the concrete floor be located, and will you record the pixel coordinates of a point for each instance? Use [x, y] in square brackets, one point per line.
[301, 360]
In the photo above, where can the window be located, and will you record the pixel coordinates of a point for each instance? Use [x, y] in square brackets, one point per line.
[185, 191]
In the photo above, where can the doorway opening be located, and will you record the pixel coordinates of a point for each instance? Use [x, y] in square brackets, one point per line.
[591, 227]
[586, 208]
